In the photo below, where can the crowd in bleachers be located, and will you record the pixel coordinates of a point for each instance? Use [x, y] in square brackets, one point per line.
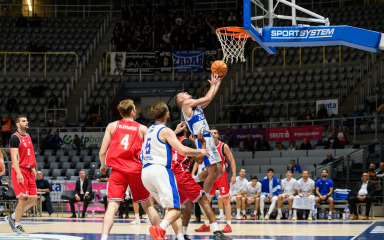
[165, 27]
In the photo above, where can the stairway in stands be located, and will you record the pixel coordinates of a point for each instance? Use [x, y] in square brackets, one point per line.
[86, 77]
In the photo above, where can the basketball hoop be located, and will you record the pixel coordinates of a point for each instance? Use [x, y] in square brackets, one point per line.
[232, 40]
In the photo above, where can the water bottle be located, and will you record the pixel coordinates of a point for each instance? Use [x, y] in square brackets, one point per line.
[286, 213]
[304, 215]
[233, 212]
[337, 214]
[159, 211]
[93, 214]
[347, 214]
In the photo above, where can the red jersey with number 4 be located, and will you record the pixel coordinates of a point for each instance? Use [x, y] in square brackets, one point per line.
[125, 147]
[180, 163]
[220, 148]
[26, 152]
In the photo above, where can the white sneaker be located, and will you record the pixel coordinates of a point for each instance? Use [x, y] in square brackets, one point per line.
[290, 217]
[279, 216]
[310, 218]
[266, 217]
[136, 221]
[294, 218]
[238, 217]
[220, 217]
[329, 217]
[10, 221]
[261, 217]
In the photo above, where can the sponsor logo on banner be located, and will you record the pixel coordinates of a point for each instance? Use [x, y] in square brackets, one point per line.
[304, 33]
[184, 60]
[240, 135]
[87, 138]
[143, 61]
[294, 133]
[332, 106]
[165, 62]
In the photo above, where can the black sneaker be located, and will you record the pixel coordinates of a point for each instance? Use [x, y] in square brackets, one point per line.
[73, 216]
[218, 235]
[10, 221]
[19, 231]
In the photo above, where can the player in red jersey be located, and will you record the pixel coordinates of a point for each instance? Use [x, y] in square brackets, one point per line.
[222, 182]
[23, 173]
[120, 151]
[190, 191]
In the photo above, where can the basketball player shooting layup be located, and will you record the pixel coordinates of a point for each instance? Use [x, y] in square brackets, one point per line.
[192, 110]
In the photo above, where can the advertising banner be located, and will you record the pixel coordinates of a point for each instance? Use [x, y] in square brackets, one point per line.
[165, 62]
[184, 60]
[332, 106]
[292, 134]
[87, 138]
[239, 135]
[143, 61]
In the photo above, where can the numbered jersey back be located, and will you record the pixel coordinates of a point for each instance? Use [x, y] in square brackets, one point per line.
[125, 147]
[156, 151]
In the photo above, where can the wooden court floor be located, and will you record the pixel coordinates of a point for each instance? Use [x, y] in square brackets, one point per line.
[56, 228]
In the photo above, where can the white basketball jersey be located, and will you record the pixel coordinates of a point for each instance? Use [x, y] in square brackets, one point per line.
[197, 123]
[305, 187]
[252, 190]
[288, 187]
[154, 151]
[239, 185]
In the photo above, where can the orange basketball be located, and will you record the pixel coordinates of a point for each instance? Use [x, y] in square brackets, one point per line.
[219, 67]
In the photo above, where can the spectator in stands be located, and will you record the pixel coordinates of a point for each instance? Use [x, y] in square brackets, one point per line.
[140, 119]
[229, 137]
[362, 193]
[328, 160]
[6, 124]
[262, 145]
[306, 145]
[83, 193]
[94, 110]
[56, 141]
[77, 143]
[51, 121]
[62, 121]
[251, 117]
[342, 136]
[270, 190]
[234, 115]
[125, 13]
[249, 144]
[357, 113]
[304, 198]
[43, 185]
[53, 103]
[324, 191]
[11, 105]
[242, 118]
[380, 171]
[288, 192]
[327, 134]
[251, 194]
[293, 167]
[322, 113]
[307, 117]
[236, 190]
[280, 146]
[372, 175]
[332, 142]
[259, 117]
[291, 147]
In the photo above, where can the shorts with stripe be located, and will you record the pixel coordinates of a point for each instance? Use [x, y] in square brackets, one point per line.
[188, 188]
[26, 189]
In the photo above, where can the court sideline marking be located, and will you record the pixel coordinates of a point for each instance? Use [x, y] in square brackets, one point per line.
[370, 225]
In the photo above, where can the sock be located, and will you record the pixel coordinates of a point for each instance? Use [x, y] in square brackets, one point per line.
[185, 230]
[295, 213]
[180, 236]
[255, 213]
[221, 211]
[13, 216]
[290, 212]
[17, 224]
[206, 222]
[104, 237]
[164, 224]
[196, 178]
[310, 213]
[243, 212]
[137, 216]
[279, 211]
[229, 222]
[238, 211]
[330, 213]
[215, 226]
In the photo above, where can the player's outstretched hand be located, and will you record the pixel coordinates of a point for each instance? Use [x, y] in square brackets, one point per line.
[200, 137]
[180, 127]
[204, 152]
[214, 79]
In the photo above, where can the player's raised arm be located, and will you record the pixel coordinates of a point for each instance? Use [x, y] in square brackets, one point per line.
[204, 101]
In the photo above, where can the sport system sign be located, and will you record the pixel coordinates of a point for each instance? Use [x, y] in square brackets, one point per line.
[314, 33]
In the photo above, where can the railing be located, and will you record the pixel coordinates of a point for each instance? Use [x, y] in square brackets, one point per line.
[38, 53]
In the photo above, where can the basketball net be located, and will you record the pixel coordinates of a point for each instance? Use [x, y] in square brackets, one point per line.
[232, 40]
